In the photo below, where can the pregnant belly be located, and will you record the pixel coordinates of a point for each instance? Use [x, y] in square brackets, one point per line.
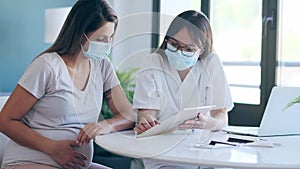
[70, 134]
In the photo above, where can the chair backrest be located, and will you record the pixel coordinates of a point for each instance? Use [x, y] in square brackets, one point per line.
[3, 138]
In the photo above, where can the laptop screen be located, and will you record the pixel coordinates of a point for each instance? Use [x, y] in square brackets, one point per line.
[282, 113]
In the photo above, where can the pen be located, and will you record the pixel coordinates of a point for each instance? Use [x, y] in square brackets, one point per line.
[196, 119]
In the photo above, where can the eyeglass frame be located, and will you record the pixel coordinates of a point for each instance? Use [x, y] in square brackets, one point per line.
[181, 47]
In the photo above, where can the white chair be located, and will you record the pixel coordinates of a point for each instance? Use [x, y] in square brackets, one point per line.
[3, 138]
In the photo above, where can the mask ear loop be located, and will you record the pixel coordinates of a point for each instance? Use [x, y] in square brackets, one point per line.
[87, 40]
[86, 37]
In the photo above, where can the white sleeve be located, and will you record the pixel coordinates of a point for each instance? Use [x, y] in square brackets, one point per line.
[146, 95]
[217, 91]
[37, 77]
[109, 75]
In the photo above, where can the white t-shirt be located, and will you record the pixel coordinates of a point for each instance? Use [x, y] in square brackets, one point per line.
[159, 86]
[61, 110]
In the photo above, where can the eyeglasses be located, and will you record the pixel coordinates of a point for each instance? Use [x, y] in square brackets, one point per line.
[186, 50]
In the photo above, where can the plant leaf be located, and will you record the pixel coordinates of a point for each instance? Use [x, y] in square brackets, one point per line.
[291, 103]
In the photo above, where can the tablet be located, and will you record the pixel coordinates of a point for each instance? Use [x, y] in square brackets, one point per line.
[172, 122]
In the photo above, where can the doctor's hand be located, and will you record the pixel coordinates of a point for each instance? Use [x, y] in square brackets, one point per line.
[91, 130]
[145, 123]
[199, 122]
[61, 151]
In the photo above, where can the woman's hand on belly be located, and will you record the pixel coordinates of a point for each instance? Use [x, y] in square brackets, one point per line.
[91, 130]
[61, 151]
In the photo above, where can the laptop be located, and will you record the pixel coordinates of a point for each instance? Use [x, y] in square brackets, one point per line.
[281, 116]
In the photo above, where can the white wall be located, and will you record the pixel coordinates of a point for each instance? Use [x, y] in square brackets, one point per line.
[133, 39]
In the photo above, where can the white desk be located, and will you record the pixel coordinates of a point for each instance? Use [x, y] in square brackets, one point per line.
[178, 147]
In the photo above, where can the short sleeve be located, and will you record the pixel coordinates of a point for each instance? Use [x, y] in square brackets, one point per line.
[37, 77]
[146, 95]
[109, 75]
[218, 92]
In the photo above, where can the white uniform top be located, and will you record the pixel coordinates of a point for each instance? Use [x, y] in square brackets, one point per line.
[159, 86]
[61, 110]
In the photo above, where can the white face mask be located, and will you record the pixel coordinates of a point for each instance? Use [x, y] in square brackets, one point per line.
[97, 50]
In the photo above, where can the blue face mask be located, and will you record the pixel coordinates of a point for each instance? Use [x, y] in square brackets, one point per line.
[180, 61]
[97, 50]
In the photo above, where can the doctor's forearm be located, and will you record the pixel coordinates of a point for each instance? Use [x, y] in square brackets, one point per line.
[217, 120]
[216, 123]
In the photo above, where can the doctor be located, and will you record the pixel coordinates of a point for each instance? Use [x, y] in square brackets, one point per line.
[184, 72]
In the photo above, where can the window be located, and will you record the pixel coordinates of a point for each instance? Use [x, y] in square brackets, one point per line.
[288, 50]
[237, 40]
[245, 38]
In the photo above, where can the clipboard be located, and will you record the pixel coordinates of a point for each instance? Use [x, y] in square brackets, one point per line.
[172, 122]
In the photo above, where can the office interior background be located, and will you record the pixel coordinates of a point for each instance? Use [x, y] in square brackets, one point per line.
[257, 40]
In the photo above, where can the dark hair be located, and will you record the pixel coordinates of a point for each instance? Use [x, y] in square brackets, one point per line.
[86, 16]
[198, 26]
